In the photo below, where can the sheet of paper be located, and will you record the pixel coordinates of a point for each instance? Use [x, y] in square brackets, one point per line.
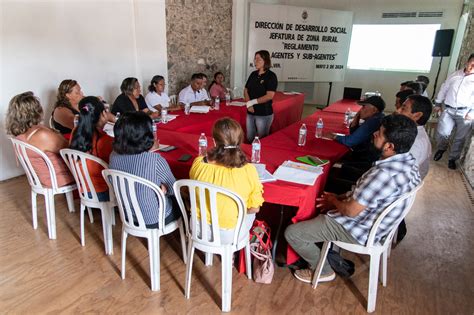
[109, 129]
[298, 173]
[200, 109]
[237, 103]
[263, 174]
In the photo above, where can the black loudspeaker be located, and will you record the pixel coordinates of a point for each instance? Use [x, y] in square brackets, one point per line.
[442, 43]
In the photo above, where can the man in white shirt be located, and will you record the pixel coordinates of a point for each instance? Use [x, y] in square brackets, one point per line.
[193, 94]
[457, 95]
[418, 108]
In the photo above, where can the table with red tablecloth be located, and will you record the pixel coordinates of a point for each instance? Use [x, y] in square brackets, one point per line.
[342, 105]
[287, 109]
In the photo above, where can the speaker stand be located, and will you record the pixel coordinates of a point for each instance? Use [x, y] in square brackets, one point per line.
[436, 80]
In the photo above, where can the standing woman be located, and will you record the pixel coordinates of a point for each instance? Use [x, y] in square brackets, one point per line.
[66, 106]
[90, 137]
[217, 88]
[131, 99]
[258, 93]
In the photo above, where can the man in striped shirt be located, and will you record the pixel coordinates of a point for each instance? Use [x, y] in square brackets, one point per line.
[353, 214]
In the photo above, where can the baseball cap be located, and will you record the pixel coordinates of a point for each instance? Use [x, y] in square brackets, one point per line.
[376, 101]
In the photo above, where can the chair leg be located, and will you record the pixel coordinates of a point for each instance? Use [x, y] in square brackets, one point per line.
[154, 253]
[107, 229]
[373, 282]
[208, 259]
[183, 239]
[50, 214]
[70, 201]
[319, 266]
[248, 261]
[91, 217]
[124, 251]
[189, 270]
[226, 281]
[83, 238]
[34, 210]
[384, 266]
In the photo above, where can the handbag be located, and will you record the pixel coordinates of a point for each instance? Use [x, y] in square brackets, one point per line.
[260, 248]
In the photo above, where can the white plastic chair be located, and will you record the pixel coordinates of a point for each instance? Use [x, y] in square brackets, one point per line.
[124, 186]
[173, 100]
[77, 163]
[237, 92]
[21, 150]
[371, 248]
[208, 239]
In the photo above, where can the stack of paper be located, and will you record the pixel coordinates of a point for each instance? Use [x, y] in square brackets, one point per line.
[263, 174]
[237, 103]
[202, 109]
[298, 173]
[291, 93]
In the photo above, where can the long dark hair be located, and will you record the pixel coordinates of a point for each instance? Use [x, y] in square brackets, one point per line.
[155, 80]
[133, 133]
[214, 81]
[90, 109]
[228, 135]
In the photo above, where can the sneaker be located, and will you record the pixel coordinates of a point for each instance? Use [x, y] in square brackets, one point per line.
[306, 275]
[438, 155]
[452, 164]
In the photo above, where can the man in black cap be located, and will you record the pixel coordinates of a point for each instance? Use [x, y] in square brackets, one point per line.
[360, 141]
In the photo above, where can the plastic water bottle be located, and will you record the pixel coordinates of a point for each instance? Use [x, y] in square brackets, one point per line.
[302, 135]
[319, 128]
[76, 120]
[202, 145]
[256, 149]
[347, 117]
[164, 115]
[227, 98]
[155, 130]
[117, 116]
[217, 103]
[187, 108]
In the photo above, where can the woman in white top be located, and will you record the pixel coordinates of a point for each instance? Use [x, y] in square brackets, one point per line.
[157, 98]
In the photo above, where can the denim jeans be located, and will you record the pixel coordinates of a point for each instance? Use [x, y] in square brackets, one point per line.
[258, 126]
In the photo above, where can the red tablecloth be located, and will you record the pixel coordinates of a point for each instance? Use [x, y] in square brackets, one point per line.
[287, 110]
[342, 105]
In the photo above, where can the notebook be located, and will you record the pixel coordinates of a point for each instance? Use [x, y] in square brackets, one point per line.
[312, 160]
[299, 173]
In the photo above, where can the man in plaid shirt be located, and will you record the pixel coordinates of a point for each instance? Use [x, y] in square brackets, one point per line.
[353, 214]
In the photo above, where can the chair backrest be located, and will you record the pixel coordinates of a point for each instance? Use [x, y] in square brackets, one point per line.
[124, 185]
[409, 197]
[237, 92]
[21, 150]
[77, 163]
[51, 122]
[207, 194]
[173, 100]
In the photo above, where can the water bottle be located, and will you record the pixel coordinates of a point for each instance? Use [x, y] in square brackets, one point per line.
[347, 117]
[302, 135]
[187, 108]
[202, 145]
[164, 115]
[256, 149]
[155, 130]
[76, 120]
[217, 103]
[227, 98]
[117, 116]
[319, 128]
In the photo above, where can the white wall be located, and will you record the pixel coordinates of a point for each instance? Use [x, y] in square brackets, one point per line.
[98, 43]
[365, 12]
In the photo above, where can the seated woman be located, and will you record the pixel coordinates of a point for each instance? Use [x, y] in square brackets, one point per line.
[133, 140]
[156, 98]
[226, 166]
[89, 137]
[66, 106]
[217, 88]
[131, 100]
[23, 120]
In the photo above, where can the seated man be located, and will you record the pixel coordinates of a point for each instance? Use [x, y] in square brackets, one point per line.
[193, 94]
[359, 140]
[418, 108]
[354, 213]
[425, 81]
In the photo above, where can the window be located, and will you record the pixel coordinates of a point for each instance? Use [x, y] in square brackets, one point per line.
[392, 47]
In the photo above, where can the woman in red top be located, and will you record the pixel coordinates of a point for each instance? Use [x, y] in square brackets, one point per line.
[89, 137]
